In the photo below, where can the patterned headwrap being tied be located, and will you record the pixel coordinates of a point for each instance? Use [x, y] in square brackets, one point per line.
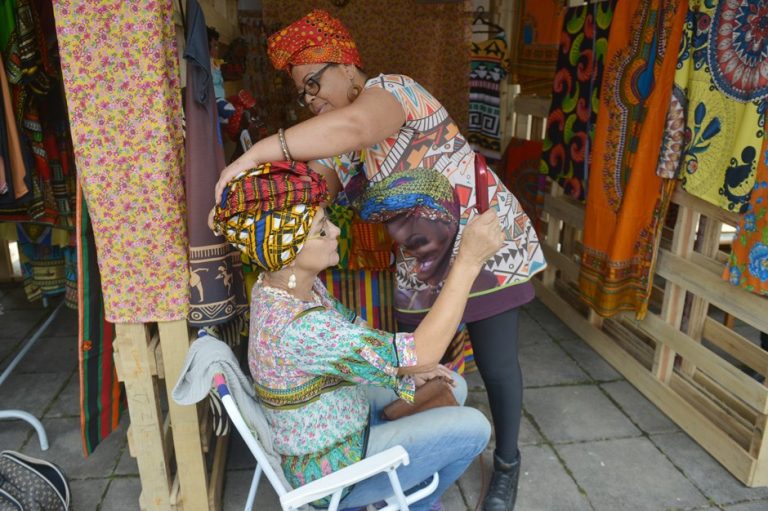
[422, 193]
[267, 212]
[317, 38]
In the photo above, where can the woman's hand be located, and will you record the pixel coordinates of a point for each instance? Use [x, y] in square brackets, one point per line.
[229, 172]
[481, 239]
[440, 371]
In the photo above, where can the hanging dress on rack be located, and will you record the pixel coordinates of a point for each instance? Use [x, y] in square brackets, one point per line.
[576, 96]
[485, 78]
[627, 201]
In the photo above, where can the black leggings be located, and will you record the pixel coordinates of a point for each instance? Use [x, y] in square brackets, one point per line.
[494, 342]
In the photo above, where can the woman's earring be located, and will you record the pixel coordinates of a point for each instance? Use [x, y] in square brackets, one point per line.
[354, 92]
[292, 281]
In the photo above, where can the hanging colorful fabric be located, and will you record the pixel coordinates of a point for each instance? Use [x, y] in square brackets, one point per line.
[485, 78]
[576, 96]
[537, 36]
[627, 200]
[718, 107]
[748, 263]
[102, 398]
[216, 284]
[126, 130]
[519, 171]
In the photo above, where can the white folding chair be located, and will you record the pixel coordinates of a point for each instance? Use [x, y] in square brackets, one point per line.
[332, 484]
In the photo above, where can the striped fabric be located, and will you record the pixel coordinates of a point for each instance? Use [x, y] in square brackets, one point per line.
[101, 397]
[369, 293]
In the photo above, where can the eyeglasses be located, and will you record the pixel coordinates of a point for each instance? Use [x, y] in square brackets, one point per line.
[322, 233]
[312, 85]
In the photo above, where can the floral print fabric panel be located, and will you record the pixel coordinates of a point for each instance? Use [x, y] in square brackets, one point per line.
[748, 263]
[310, 362]
[721, 84]
[121, 76]
[576, 96]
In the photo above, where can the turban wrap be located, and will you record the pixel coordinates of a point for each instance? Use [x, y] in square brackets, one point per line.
[317, 38]
[418, 193]
[267, 212]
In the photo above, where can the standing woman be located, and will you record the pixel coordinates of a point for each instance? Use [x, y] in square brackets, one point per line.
[366, 129]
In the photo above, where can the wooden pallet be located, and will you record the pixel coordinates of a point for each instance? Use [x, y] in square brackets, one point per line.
[171, 443]
[689, 364]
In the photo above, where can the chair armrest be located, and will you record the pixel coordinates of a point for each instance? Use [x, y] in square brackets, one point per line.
[347, 476]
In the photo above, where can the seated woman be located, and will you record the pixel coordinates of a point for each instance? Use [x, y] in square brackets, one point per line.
[322, 375]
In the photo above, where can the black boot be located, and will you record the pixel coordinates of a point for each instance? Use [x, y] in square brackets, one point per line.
[502, 492]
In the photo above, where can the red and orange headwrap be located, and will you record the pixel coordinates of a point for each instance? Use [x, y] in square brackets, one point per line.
[317, 38]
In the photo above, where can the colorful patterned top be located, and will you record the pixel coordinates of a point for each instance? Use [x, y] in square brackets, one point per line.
[310, 362]
[431, 139]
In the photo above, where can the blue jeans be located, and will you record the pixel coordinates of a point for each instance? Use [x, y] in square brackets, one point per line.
[443, 440]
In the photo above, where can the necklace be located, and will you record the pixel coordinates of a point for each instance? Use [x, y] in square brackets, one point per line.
[283, 292]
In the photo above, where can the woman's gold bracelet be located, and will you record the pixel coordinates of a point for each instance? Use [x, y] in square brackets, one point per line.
[284, 145]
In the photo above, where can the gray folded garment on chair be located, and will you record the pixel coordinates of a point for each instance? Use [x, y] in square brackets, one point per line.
[208, 356]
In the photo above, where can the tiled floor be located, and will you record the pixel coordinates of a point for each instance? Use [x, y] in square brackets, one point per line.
[589, 440]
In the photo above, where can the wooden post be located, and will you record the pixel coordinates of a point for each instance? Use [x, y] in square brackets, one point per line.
[185, 425]
[132, 359]
[674, 295]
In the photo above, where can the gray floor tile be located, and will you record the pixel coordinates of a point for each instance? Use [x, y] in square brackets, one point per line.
[452, 499]
[474, 380]
[551, 324]
[127, 464]
[66, 450]
[576, 413]
[706, 473]
[23, 324]
[474, 480]
[629, 474]
[541, 472]
[545, 363]
[14, 299]
[758, 505]
[51, 355]
[236, 484]
[65, 324]
[589, 360]
[67, 403]
[642, 412]
[13, 434]
[530, 331]
[122, 495]
[87, 493]
[35, 391]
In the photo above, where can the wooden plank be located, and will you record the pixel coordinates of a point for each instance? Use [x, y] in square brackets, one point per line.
[723, 448]
[733, 300]
[683, 198]
[144, 410]
[185, 427]
[566, 209]
[535, 106]
[730, 377]
[558, 261]
[216, 484]
[673, 302]
[745, 414]
[715, 413]
[736, 345]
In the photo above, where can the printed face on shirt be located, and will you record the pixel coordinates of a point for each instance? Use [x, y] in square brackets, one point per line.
[322, 87]
[430, 242]
[320, 249]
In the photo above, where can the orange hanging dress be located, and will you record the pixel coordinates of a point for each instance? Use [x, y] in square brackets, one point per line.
[626, 201]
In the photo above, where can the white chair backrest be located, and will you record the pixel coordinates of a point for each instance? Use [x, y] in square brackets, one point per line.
[248, 436]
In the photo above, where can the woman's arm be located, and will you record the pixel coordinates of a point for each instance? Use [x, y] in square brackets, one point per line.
[481, 239]
[374, 116]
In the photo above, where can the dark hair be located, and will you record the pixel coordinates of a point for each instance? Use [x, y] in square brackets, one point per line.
[213, 34]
